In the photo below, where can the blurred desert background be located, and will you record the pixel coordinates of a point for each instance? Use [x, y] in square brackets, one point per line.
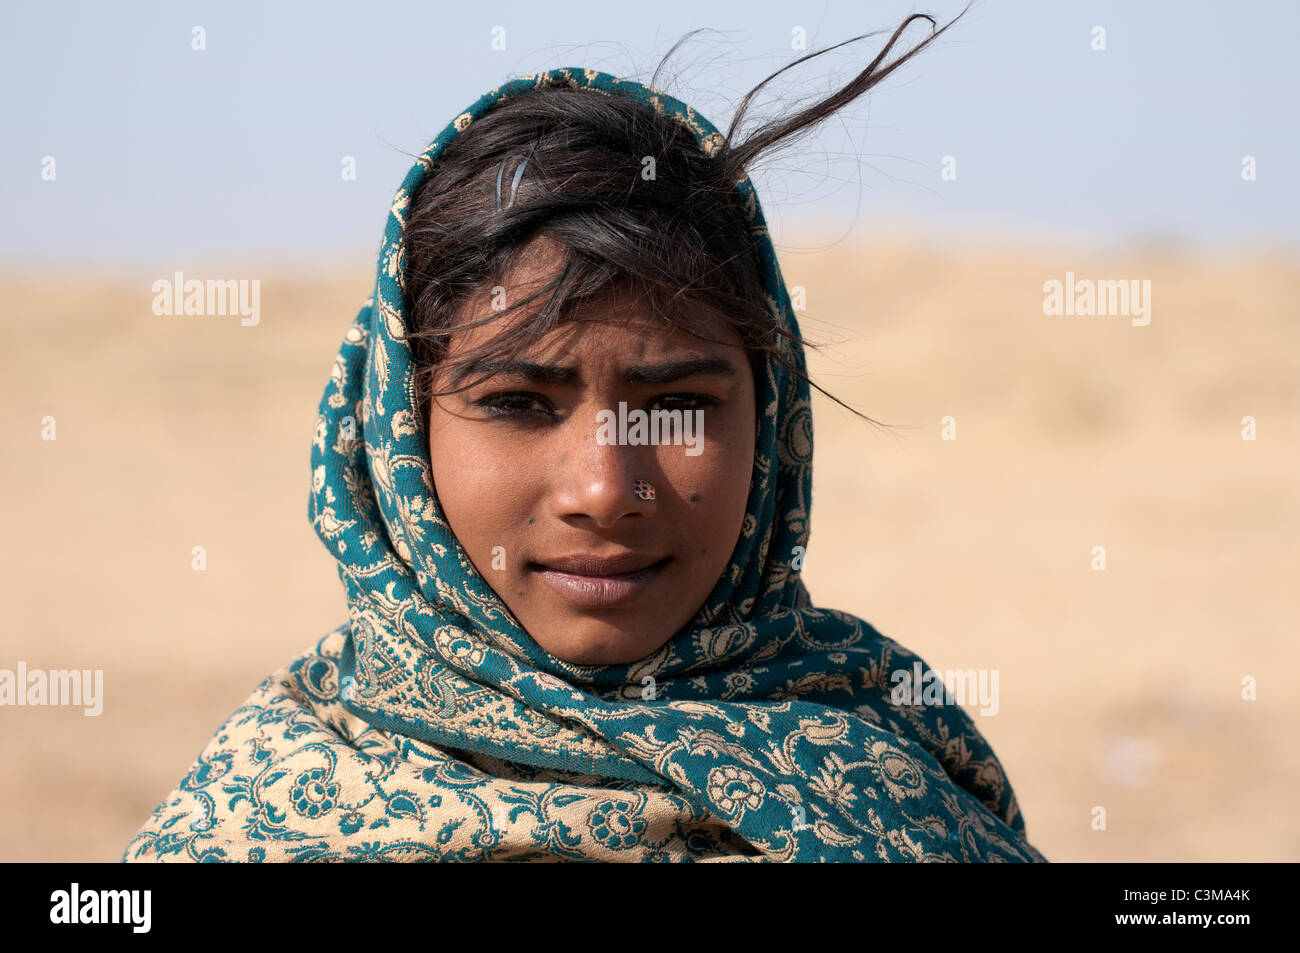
[1119, 688]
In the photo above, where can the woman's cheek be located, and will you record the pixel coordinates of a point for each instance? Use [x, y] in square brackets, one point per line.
[714, 484]
[728, 456]
[487, 485]
[465, 484]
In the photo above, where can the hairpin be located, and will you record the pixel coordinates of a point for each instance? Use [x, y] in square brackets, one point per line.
[519, 174]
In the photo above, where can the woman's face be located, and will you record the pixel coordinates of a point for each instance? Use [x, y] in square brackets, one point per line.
[550, 513]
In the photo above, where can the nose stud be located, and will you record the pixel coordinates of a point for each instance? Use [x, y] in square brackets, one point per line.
[643, 490]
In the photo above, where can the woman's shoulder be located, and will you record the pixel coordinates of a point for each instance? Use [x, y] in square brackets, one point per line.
[293, 715]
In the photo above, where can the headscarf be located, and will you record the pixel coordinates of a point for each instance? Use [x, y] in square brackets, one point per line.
[430, 726]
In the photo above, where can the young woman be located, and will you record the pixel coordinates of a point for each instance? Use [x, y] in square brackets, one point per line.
[564, 461]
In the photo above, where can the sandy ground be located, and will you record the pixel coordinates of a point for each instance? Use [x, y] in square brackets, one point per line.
[1119, 689]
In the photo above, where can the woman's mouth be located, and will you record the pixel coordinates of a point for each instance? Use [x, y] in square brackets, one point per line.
[595, 583]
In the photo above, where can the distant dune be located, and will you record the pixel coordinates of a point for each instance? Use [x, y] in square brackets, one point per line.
[1120, 688]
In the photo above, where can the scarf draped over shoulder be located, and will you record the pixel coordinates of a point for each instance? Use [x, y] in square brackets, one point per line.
[430, 726]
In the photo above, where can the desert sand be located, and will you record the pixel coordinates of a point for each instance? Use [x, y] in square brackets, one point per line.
[1120, 687]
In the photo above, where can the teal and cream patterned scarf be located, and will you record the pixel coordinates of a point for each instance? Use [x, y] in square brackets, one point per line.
[430, 726]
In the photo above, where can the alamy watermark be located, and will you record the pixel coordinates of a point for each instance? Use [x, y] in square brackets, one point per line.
[1083, 296]
[961, 686]
[178, 295]
[640, 428]
[58, 687]
[133, 907]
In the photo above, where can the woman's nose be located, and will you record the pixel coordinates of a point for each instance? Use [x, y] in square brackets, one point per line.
[602, 482]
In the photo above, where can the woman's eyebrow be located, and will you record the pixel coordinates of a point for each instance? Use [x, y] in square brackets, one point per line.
[536, 373]
[676, 370]
[561, 374]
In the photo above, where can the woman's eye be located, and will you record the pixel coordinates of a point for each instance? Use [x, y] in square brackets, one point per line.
[685, 401]
[516, 406]
[530, 407]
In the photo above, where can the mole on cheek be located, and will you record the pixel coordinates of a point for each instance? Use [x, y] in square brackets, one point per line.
[531, 521]
[694, 498]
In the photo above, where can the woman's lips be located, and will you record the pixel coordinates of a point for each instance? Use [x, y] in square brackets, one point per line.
[603, 591]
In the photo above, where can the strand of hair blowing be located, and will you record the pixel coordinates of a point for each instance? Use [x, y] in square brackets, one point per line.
[584, 201]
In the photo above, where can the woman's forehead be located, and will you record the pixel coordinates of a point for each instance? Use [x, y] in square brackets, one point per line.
[600, 331]
[621, 315]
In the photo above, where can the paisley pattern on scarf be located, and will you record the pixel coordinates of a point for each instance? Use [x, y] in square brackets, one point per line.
[430, 726]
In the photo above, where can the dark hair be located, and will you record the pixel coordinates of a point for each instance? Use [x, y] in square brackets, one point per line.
[681, 233]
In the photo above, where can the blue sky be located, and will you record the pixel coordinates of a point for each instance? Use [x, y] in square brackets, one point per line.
[165, 154]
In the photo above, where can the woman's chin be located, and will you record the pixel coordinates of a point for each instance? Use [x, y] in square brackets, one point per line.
[596, 642]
